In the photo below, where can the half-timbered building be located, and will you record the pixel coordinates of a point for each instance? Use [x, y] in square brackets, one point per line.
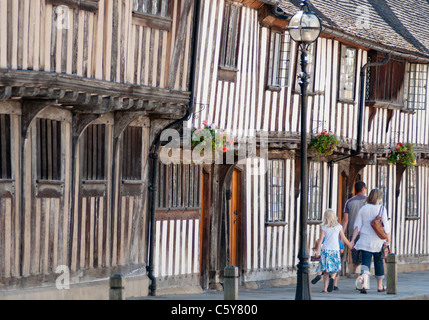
[247, 83]
[85, 87]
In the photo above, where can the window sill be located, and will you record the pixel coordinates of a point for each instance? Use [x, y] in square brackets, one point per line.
[227, 74]
[152, 21]
[412, 218]
[274, 88]
[7, 188]
[384, 105]
[348, 101]
[49, 188]
[276, 224]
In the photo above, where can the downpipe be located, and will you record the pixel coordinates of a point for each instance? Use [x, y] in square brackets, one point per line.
[360, 123]
[154, 154]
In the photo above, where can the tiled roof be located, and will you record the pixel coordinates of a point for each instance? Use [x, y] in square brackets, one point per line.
[396, 24]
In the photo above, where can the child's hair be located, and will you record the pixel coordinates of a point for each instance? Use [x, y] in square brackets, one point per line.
[330, 218]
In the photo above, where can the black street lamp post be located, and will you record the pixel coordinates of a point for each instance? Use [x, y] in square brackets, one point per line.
[304, 28]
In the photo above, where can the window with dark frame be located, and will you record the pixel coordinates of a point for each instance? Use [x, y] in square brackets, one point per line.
[279, 60]
[153, 7]
[275, 191]
[311, 67]
[412, 211]
[5, 147]
[229, 44]
[48, 133]
[179, 186]
[417, 86]
[94, 156]
[347, 73]
[383, 182]
[315, 191]
[132, 145]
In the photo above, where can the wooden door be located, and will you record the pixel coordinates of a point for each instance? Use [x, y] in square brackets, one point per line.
[235, 219]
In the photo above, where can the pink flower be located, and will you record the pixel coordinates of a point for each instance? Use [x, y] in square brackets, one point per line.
[205, 122]
[397, 147]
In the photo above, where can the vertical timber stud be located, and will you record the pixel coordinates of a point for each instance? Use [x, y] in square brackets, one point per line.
[230, 287]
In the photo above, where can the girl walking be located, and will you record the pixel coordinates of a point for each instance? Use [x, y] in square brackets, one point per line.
[330, 262]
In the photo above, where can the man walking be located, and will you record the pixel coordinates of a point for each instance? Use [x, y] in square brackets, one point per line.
[351, 210]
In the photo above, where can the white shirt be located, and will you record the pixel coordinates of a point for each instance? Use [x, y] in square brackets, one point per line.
[368, 239]
[331, 237]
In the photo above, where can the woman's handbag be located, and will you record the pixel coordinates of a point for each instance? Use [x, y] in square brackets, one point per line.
[378, 226]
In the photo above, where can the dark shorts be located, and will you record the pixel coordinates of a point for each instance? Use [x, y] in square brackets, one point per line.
[356, 255]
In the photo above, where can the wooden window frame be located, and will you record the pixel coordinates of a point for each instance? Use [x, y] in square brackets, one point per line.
[383, 184]
[311, 68]
[87, 5]
[270, 218]
[342, 74]
[5, 147]
[420, 75]
[150, 20]
[94, 140]
[412, 195]
[178, 187]
[229, 54]
[280, 59]
[50, 188]
[315, 216]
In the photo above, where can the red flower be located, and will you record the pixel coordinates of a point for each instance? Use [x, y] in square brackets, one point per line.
[224, 149]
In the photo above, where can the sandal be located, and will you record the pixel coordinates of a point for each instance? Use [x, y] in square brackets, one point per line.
[363, 290]
[382, 290]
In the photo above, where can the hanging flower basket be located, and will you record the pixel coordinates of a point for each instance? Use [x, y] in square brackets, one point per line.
[402, 154]
[324, 143]
[210, 134]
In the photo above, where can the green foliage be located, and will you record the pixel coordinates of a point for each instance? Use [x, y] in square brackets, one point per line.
[324, 143]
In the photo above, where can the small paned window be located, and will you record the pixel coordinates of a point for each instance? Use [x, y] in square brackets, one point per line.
[279, 60]
[132, 144]
[229, 44]
[179, 186]
[383, 182]
[417, 86]
[275, 191]
[315, 192]
[347, 73]
[94, 144]
[48, 134]
[154, 7]
[5, 147]
[412, 193]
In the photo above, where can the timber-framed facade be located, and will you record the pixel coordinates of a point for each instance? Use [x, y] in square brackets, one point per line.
[86, 87]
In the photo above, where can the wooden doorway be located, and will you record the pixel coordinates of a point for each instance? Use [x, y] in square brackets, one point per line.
[235, 219]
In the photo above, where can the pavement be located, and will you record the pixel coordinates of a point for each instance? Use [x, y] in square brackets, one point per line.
[410, 286]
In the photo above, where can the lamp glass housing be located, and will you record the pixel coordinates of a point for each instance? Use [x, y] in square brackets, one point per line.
[305, 27]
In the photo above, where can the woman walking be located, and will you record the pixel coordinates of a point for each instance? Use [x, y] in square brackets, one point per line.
[369, 242]
[330, 262]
